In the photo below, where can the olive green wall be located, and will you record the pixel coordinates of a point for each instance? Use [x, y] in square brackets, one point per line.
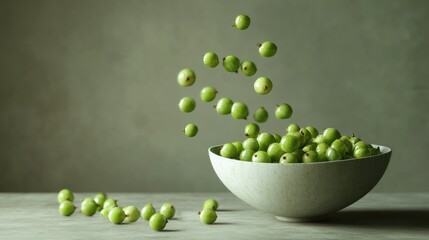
[88, 91]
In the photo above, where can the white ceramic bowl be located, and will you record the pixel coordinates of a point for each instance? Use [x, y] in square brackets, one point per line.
[300, 191]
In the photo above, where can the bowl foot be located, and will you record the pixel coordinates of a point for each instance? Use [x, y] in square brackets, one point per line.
[298, 219]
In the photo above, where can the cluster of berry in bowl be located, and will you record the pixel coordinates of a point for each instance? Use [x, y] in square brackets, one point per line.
[298, 145]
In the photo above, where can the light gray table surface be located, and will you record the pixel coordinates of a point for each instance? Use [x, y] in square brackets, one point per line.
[376, 216]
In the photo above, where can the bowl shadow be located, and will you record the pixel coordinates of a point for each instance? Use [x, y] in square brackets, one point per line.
[404, 219]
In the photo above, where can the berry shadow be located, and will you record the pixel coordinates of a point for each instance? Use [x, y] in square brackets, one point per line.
[171, 230]
[412, 219]
[223, 223]
[227, 210]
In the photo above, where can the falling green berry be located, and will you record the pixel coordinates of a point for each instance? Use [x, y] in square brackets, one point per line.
[251, 130]
[263, 85]
[239, 110]
[224, 106]
[260, 115]
[242, 22]
[248, 68]
[231, 63]
[191, 130]
[283, 111]
[186, 77]
[207, 94]
[267, 49]
[210, 59]
[187, 104]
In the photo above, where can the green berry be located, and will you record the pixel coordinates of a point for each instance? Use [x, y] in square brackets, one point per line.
[300, 137]
[340, 146]
[265, 140]
[231, 64]
[275, 152]
[99, 199]
[239, 110]
[349, 145]
[283, 111]
[210, 59]
[330, 135]
[293, 127]
[263, 85]
[238, 146]
[309, 147]
[88, 207]
[361, 152]
[251, 130]
[147, 211]
[157, 222]
[105, 211]
[228, 150]
[354, 140]
[289, 143]
[210, 204]
[191, 130]
[310, 156]
[313, 131]
[277, 137]
[207, 94]
[208, 216]
[186, 77]
[319, 139]
[224, 106]
[332, 154]
[132, 214]
[261, 157]
[66, 208]
[267, 49]
[260, 115]
[248, 68]
[65, 195]
[306, 136]
[288, 158]
[116, 215]
[242, 22]
[168, 210]
[251, 143]
[110, 203]
[321, 150]
[187, 104]
[360, 144]
[246, 155]
[298, 154]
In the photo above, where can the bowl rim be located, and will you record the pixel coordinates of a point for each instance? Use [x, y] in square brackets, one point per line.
[387, 150]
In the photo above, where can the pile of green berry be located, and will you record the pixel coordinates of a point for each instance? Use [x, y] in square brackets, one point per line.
[108, 208]
[298, 145]
[225, 105]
